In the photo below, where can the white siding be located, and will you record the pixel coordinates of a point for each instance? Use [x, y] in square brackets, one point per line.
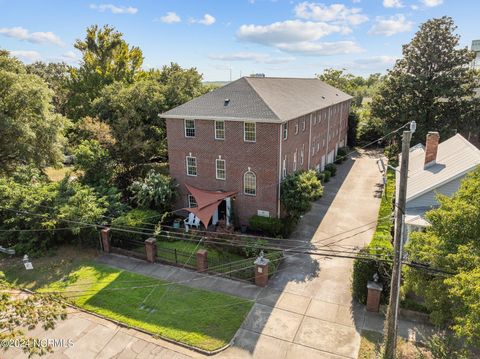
[428, 200]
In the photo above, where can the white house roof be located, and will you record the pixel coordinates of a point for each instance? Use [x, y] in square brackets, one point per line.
[455, 157]
[266, 99]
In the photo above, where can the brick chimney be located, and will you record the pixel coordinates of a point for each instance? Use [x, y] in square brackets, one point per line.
[431, 148]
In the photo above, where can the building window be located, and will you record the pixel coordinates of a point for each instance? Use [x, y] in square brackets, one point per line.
[189, 128]
[220, 169]
[295, 160]
[285, 130]
[219, 130]
[296, 127]
[250, 183]
[192, 202]
[191, 166]
[301, 155]
[284, 167]
[304, 124]
[249, 132]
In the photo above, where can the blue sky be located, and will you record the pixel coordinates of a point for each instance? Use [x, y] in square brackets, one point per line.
[237, 37]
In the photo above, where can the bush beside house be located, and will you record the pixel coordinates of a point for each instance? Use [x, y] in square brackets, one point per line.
[380, 246]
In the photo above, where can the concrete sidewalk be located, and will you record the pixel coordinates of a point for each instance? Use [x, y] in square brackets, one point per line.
[182, 276]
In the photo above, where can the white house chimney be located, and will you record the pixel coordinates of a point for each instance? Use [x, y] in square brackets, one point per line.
[431, 148]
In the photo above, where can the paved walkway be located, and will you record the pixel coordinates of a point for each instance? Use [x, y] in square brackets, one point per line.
[306, 311]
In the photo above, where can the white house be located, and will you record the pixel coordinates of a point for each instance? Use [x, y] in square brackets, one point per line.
[433, 169]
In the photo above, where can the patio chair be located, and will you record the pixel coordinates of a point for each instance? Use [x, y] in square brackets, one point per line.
[192, 221]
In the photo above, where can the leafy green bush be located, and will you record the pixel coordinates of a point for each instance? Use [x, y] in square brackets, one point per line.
[326, 176]
[298, 190]
[380, 246]
[341, 155]
[332, 169]
[136, 220]
[156, 191]
[269, 226]
[95, 163]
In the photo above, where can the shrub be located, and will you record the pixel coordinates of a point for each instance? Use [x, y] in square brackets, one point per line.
[332, 169]
[269, 226]
[326, 175]
[298, 190]
[380, 246]
[137, 220]
[156, 191]
[341, 155]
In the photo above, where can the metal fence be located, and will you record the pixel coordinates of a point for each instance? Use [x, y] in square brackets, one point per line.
[176, 257]
[128, 247]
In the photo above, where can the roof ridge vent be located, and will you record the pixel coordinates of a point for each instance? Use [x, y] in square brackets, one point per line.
[226, 102]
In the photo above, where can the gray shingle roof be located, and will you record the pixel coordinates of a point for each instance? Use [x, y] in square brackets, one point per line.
[266, 99]
[455, 157]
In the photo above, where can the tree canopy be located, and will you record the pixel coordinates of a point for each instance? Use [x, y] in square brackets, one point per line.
[451, 243]
[31, 131]
[432, 84]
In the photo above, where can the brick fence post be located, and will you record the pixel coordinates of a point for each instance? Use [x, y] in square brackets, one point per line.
[261, 271]
[151, 249]
[373, 297]
[202, 260]
[105, 234]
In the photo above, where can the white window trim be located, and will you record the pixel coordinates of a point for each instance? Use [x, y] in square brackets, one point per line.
[196, 166]
[284, 167]
[185, 128]
[296, 128]
[295, 160]
[302, 155]
[285, 131]
[215, 125]
[304, 124]
[244, 181]
[189, 199]
[244, 132]
[224, 169]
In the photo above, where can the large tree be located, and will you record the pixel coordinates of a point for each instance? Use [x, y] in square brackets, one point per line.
[57, 76]
[432, 84]
[106, 58]
[451, 243]
[30, 131]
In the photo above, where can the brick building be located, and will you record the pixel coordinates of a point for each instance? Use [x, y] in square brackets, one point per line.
[247, 135]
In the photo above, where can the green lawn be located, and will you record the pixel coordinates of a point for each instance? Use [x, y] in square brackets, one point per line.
[200, 318]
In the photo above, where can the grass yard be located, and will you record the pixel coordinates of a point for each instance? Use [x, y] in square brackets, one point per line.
[371, 343]
[200, 318]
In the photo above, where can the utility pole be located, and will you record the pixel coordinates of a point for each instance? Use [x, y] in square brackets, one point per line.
[390, 341]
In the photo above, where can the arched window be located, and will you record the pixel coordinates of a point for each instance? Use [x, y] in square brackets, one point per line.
[250, 183]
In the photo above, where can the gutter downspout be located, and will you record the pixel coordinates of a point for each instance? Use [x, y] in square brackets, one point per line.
[279, 169]
[328, 132]
[309, 139]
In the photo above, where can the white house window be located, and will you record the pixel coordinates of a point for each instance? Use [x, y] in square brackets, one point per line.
[296, 127]
[189, 128]
[285, 130]
[249, 132]
[220, 169]
[295, 160]
[304, 124]
[284, 167]
[250, 183]
[301, 154]
[192, 202]
[219, 130]
[191, 166]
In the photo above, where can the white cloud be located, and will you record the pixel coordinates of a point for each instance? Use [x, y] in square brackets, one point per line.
[170, 18]
[26, 56]
[252, 57]
[207, 20]
[376, 60]
[20, 33]
[393, 3]
[391, 26]
[432, 3]
[336, 13]
[289, 31]
[114, 9]
[414, 7]
[321, 48]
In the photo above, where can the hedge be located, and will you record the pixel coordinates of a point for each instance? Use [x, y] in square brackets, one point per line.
[381, 246]
[271, 227]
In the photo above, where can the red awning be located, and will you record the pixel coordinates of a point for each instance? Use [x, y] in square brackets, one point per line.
[207, 202]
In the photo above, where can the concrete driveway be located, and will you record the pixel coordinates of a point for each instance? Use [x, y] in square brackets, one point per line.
[306, 311]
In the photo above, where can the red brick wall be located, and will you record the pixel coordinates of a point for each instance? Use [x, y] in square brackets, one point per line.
[335, 116]
[261, 157]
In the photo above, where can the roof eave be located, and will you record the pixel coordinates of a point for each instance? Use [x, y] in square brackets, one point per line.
[220, 118]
